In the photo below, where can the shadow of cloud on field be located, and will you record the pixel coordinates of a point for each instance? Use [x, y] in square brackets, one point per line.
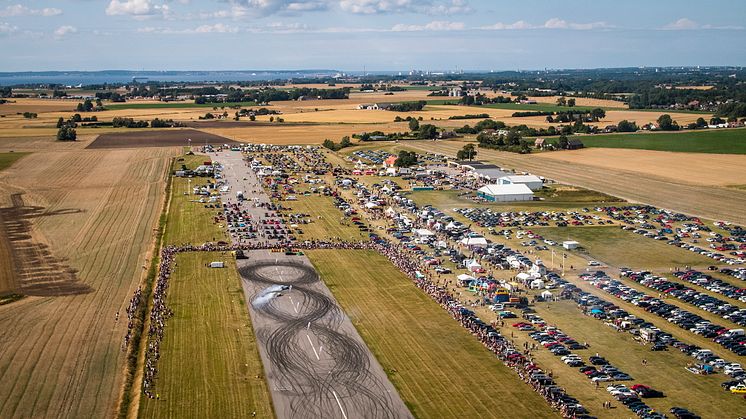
[36, 271]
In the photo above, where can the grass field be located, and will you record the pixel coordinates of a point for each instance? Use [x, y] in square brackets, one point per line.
[175, 105]
[328, 225]
[440, 370]
[7, 159]
[603, 244]
[189, 221]
[210, 364]
[726, 141]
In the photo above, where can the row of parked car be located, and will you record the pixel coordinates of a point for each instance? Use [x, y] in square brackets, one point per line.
[605, 310]
[673, 314]
[712, 284]
[689, 295]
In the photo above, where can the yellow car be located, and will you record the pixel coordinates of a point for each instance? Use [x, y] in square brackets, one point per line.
[739, 389]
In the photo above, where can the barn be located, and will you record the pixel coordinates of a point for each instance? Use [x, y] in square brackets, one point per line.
[506, 193]
[533, 182]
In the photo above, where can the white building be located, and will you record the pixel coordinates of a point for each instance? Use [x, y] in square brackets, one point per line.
[570, 244]
[506, 193]
[532, 181]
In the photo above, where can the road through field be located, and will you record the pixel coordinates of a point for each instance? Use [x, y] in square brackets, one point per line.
[710, 202]
[60, 355]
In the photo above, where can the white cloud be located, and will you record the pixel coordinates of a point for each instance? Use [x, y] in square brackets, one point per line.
[269, 7]
[682, 24]
[431, 7]
[21, 10]
[65, 30]
[556, 23]
[553, 23]
[437, 25]
[7, 29]
[216, 28]
[521, 24]
[141, 9]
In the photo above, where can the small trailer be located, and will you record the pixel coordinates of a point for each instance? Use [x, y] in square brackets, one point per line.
[217, 264]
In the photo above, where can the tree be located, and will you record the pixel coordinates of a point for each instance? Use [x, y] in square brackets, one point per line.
[467, 153]
[701, 123]
[329, 144]
[571, 102]
[561, 101]
[406, 159]
[563, 142]
[414, 125]
[345, 142]
[60, 122]
[427, 132]
[626, 126]
[666, 123]
[66, 133]
[598, 114]
[252, 117]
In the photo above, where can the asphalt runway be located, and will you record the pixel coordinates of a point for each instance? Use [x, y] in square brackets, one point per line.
[316, 364]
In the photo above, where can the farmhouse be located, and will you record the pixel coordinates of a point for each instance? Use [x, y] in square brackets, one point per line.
[574, 144]
[505, 193]
[532, 181]
[375, 106]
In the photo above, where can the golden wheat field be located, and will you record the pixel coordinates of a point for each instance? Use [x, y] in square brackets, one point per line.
[94, 211]
[693, 168]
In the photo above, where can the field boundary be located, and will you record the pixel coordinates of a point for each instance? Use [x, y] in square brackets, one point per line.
[129, 400]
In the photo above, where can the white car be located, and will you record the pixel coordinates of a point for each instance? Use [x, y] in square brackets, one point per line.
[594, 263]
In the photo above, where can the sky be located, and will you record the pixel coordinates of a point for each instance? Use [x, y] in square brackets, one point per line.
[352, 35]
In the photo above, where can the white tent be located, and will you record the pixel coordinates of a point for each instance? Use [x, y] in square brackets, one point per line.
[371, 205]
[523, 276]
[465, 277]
[537, 284]
[474, 241]
[546, 295]
[423, 232]
[474, 266]
[450, 226]
[442, 244]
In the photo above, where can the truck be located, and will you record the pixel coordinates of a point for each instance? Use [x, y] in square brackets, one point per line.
[239, 195]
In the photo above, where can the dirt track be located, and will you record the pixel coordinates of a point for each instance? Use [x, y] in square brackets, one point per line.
[160, 138]
[710, 202]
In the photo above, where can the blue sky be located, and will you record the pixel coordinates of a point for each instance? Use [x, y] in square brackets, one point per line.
[375, 34]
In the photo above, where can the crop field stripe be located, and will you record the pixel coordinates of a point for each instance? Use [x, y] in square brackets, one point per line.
[87, 386]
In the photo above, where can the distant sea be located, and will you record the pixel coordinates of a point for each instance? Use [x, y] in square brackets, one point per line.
[73, 78]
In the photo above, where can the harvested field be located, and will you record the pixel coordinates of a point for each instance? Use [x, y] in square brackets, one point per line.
[161, 138]
[301, 134]
[697, 169]
[99, 208]
[704, 201]
[581, 102]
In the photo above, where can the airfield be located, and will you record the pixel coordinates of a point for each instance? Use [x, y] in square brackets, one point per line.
[84, 226]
